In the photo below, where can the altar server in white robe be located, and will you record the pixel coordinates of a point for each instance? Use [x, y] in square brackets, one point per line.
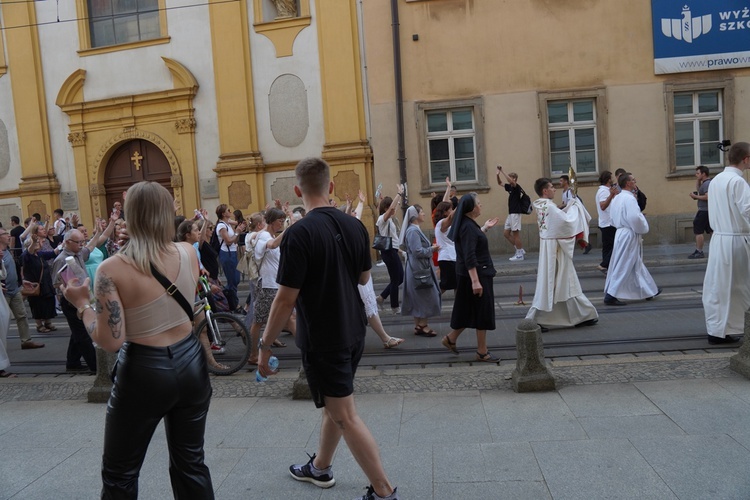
[4, 324]
[726, 286]
[628, 277]
[558, 299]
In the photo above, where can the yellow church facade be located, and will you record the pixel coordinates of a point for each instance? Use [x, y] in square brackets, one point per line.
[215, 100]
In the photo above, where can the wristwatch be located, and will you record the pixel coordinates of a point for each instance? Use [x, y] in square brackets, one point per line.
[79, 311]
[262, 347]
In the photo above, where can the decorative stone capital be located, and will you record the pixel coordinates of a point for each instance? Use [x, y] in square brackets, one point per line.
[185, 125]
[77, 138]
[97, 190]
[176, 181]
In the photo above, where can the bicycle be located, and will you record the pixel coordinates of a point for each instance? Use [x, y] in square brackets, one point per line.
[223, 329]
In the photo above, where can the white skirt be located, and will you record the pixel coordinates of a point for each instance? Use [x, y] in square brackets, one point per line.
[367, 292]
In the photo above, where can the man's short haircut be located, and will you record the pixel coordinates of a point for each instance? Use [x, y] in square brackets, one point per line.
[313, 176]
[702, 169]
[738, 152]
[605, 177]
[513, 176]
[565, 177]
[299, 210]
[14, 219]
[80, 224]
[619, 172]
[37, 216]
[541, 184]
[58, 211]
[623, 180]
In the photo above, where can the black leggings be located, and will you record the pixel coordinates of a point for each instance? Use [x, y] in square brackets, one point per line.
[395, 272]
[152, 383]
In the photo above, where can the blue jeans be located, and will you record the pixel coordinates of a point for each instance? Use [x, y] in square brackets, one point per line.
[228, 261]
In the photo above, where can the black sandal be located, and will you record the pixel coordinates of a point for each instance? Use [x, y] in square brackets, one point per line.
[420, 330]
[487, 357]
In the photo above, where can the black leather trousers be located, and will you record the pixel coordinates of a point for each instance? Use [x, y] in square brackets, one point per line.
[152, 383]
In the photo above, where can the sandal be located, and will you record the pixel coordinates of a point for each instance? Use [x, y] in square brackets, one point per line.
[50, 327]
[392, 342]
[278, 343]
[424, 331]
[4, 374]
[487, 357]
[451, 346]
[219, 366]
[43, 329]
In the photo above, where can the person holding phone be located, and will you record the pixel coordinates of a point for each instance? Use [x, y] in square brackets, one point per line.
[80, 344]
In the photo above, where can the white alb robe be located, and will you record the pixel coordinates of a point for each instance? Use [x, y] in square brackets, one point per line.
[726, 286]
[558, 299]
[627, 276]
[4, 326]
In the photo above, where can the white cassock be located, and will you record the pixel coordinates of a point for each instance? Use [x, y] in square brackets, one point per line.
[558, 299]
[726, 286]
[4, 325]
[627, 277]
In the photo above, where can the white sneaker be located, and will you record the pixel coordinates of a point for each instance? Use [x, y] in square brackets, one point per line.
[523, 251]
[516, 258]
[380, 263]
[396, 311]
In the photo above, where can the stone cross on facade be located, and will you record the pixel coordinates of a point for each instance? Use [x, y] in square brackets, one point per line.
[137, 160]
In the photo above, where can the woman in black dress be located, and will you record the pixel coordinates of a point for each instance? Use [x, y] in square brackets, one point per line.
[37, 269]
[474, 306]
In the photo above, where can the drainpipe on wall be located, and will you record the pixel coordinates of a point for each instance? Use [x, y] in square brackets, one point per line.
[399, 102]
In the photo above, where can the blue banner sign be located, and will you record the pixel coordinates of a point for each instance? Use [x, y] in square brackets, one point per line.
[700, 35]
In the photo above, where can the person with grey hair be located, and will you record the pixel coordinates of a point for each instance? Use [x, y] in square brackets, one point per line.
[80, 344]
[421, 290]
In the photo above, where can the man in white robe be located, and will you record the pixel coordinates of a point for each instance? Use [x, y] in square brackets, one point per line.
[558, 299]
[726, 286]
[628, 277]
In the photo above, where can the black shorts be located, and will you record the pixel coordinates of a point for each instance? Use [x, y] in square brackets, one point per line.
[447, 274]
[700, 223]
[332, 373]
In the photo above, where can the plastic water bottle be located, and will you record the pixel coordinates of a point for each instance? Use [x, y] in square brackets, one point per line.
[73, 270]
[273, 364]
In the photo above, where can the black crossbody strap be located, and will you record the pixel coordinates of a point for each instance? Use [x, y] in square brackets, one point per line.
[173, 291]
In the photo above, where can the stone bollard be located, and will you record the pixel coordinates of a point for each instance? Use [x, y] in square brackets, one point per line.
[531, 373]
[99, 392]
[740, 362]
[300, 389]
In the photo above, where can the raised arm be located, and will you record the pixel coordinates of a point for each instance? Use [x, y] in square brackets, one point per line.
[396, 202]
[447, 195]
[360, 206]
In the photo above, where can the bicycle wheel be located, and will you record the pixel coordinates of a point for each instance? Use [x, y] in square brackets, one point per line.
[230, 333]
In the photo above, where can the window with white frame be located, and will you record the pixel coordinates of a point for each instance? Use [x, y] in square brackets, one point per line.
[115, 22]
[574, 132]
[698, 128]
[451, 145]
[572, 136]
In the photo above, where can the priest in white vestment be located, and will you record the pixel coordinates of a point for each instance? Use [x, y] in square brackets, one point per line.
[558, 299]
[628, 277]
[726, 286]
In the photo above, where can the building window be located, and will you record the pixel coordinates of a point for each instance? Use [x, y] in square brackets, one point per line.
[115, 22]
[573, 132]
[572, 136]
[700, 116]
[451, 148]
[451, 139]
[698, 128]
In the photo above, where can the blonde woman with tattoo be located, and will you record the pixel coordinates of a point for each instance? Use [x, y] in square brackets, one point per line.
[161, 368]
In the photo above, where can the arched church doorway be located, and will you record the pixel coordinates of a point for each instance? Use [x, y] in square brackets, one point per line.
[135, 161]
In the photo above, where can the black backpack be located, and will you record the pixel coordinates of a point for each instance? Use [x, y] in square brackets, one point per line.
[215, 241]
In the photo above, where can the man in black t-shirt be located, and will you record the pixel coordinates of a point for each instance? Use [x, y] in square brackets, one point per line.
[323, 258]
[512, 230]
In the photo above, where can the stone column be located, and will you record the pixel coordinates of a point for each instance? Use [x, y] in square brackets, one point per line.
[740, 362]
[300, 389]
[99, 392]
[531, 373]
